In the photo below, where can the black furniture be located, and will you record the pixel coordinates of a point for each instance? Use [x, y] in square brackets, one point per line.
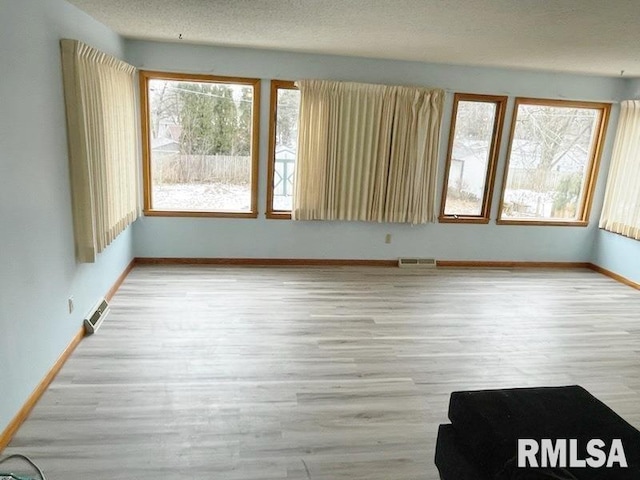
[481, 443]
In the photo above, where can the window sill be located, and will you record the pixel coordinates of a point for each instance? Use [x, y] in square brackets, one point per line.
[462, 219]
[544, 223]
[278, 215]
[180, 213]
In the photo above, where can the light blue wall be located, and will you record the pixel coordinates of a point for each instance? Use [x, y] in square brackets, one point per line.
[38, 271]
[615, 252]
[633, 89]
[185, 237]
[618, 254]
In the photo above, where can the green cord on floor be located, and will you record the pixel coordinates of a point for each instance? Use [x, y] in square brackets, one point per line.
[12, 476]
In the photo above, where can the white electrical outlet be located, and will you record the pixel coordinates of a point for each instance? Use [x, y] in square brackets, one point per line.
[387, 239]
[70, 304]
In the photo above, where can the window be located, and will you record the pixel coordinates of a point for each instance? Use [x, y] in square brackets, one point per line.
[200, 144]
[621, 210]
[474, 142]
[553, 159]
[283, 144]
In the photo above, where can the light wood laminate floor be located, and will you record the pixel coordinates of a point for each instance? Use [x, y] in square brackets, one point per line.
[318, 373]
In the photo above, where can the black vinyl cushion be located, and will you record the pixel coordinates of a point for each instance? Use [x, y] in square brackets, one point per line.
[456, 462]
[487, 425]
[453, 460]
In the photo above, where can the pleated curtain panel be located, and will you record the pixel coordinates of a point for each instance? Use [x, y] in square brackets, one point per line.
[103, 146]
[621, 211]
[367, 152]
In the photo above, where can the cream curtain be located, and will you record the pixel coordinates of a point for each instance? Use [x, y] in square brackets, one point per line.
[367, 152]
[621, 211]
[103, 146]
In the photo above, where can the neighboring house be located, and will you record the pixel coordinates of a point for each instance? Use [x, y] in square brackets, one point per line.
[526, 155]
[165, 145]
[168, 129]
[468, 164]
[468, 167]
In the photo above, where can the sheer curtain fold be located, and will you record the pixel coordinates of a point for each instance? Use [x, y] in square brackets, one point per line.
[621, 210]
[367, 152]
[103, 145]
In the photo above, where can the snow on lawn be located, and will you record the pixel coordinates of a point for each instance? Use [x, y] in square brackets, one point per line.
[202, 196]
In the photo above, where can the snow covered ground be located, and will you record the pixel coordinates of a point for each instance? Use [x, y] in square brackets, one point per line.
[202, 196]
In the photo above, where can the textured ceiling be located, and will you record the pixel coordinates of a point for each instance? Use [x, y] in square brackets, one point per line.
[587, 36]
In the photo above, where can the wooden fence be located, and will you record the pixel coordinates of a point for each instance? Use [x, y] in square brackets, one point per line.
[175, 168]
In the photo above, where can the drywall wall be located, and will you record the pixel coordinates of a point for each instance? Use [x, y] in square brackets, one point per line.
[633, 89]
[38, 271]
[618, 254]
[202, 237]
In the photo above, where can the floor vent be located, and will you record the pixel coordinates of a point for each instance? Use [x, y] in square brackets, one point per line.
[416, 262]
[96, 316]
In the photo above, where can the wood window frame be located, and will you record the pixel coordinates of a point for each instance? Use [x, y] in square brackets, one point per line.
[492, 162]
[144, 77]
[273, 118]
[591, 171]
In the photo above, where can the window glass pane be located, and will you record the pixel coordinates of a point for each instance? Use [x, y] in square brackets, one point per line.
[551, 153]
[286, 144]
[469, 161]
[200, 145]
